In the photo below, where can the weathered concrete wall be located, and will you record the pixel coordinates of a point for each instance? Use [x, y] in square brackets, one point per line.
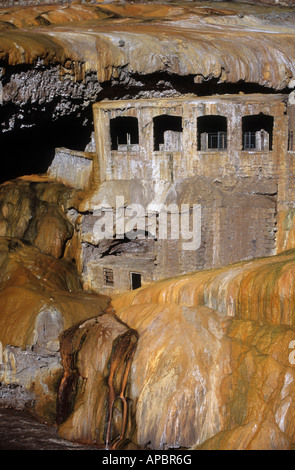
[238, 221]
[234, 226]
[145, 163]
[240, 192]
[72, 168]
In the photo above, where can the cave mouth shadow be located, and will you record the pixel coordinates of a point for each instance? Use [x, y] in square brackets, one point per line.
[31, 150]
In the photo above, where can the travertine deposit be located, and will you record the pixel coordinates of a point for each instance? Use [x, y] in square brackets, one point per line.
[68, 56]
[40, 297]
[210, 369]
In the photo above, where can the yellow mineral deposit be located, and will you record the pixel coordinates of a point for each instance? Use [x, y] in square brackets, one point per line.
[259, 289]
[159, 43]
[186, 383]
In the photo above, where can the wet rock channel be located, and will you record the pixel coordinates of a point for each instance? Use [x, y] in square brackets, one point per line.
[20, 431]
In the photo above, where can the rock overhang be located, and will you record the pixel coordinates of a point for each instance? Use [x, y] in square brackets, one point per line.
[224, 43]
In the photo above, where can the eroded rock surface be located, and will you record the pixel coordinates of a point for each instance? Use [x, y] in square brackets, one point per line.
[202, 360]
[260, 289]
[35, 210]
[200, 376]
[240, 379]
[197, 378]
[108, 413]
[174, 38]
[60, 59]
[40, 297]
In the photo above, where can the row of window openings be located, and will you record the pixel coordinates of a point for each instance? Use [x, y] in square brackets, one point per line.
[257, 133]
[108, 278]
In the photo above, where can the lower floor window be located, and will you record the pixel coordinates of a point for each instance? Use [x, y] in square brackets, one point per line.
[108, 277]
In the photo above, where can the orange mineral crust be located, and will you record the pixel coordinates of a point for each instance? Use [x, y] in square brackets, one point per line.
[180, 38]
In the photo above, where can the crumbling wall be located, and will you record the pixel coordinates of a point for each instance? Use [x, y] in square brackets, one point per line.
[147, 163]
[236, 224]
[239, 190]
[72, 168]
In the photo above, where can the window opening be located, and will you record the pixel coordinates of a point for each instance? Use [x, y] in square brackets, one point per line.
[212, 132]
[108, 277]
[167, 133]
[291, 140]
[257, 132]
[124, 133]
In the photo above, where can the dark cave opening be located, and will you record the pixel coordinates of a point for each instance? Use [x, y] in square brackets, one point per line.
[26, 151]
[165, 82]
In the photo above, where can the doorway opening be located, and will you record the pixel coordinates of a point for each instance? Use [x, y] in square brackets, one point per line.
[135, 281]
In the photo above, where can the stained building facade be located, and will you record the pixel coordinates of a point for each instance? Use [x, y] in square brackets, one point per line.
[228, 157]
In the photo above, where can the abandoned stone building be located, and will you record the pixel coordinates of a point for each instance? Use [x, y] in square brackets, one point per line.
[229, 156]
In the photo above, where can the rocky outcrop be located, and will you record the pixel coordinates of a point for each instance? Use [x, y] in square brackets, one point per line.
[34, 210]
[199, 361]
[133, 50]
[40, 297]
[241, 375]
[259, 391]
[260, 289]
[198, 378]
[173, 38]
[202, 360]
[110, 411]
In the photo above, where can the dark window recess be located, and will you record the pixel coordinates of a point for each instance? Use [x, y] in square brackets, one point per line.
[124, 132]
[291, 140]
[135, 281]
[167, 133]
[257, 132]
[212, 132]
[108, 277]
